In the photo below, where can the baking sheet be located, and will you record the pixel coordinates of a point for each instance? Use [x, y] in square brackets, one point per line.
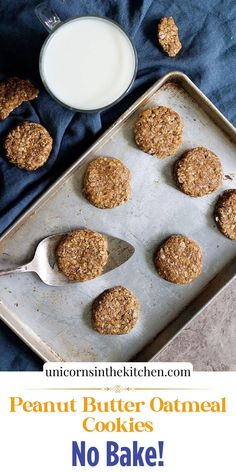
[56, 321]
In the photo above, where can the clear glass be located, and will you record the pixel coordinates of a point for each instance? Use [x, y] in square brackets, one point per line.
[52, 22]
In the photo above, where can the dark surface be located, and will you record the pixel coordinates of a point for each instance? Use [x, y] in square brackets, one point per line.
[207, 31]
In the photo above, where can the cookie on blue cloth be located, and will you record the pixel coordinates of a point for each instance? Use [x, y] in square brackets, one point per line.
[13, 92]
[28, 145]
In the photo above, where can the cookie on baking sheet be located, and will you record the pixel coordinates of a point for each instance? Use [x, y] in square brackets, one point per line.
[179, 260]
[159, 131]
[198, 172]
[115, 311]
[107, 183]
[28, 146]
[82, 254]
[168, 36]
[13, 92]
[225, 213]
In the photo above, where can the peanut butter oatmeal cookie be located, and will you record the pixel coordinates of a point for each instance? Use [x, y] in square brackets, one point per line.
[179, 260]
[82, 254]
[225, 213]
[107, 183]
[13, 92]
[159, 131]
[168, 36]
[115, 311]
[198, 172]
[28, 146]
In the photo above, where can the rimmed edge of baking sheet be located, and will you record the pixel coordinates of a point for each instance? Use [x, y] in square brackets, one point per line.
[191, 312]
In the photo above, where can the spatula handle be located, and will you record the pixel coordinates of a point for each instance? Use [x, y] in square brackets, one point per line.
[24, 268]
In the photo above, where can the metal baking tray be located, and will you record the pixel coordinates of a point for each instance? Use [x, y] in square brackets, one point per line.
[55, 322]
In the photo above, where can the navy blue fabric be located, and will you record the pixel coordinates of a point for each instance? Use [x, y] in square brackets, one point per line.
[207, 30]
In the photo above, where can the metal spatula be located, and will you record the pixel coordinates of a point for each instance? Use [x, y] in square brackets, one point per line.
[44, 261]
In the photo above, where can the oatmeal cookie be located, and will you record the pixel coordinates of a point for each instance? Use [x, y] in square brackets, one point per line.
[225, 213]
[179, 260]
[28, 146]
[107, 183]
[115, 311]
[13, 92]
[198, 172]
[159, 131]
[82, 254]
[168, 36]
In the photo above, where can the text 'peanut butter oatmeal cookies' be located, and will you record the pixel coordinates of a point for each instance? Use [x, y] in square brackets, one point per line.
[13, 92]
[107, 183]
[198, 172]
[179, 260]
[82, 254]
[159, 131]
[28, 146]
[225, 213]
[115, 311]
[168, 36]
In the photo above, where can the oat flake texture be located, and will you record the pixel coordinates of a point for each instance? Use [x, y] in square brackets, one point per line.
[28, 146]
[225, 213]
[13, 92]
[179, 260]
[107, 183]
[115, 311]
[159, 131]
[198, 172]
[168, 36]
[82, 254]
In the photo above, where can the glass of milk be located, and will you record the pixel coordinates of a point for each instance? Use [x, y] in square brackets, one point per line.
[87, 63]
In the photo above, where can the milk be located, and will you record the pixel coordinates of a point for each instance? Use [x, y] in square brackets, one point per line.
[88, 63]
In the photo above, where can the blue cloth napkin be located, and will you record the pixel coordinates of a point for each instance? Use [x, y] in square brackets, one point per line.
[208, 34]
